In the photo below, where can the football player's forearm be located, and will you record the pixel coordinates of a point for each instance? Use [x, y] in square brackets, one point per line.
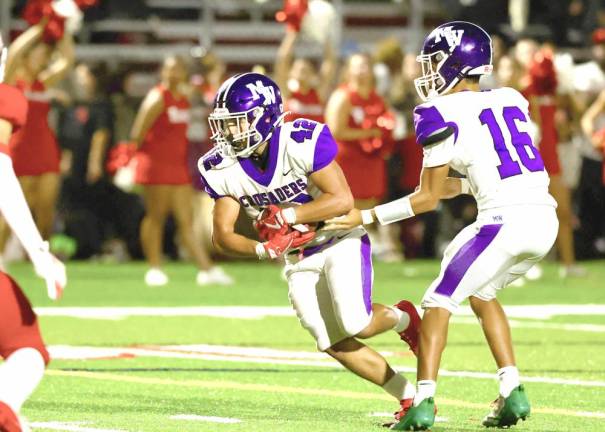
[452, 188]
[423, 201]
[235, 244]
[15, 210]
[325, 207]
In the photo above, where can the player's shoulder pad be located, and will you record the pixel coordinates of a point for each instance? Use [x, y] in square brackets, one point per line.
[212, 160]
[13, 105]
[430, 125]
[315, 141]
[516, 95]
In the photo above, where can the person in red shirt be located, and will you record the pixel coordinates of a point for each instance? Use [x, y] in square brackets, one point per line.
[304, 90]
[35, 68]
[160, 130]
[22, 349]
[541, 91]
[361, 125]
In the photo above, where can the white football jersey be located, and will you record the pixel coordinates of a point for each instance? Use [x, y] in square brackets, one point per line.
[486, 136]
[296, 150]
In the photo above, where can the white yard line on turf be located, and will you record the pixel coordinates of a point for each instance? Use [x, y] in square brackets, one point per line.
[70, 427]
[218, 385]
[250, 355]
[259, 312]
[211, 419]
[592, 328]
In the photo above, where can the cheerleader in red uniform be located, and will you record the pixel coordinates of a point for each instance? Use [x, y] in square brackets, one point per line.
[304, 90]
[160, 130]
[541, 91]
[36, 67]
[361, 125]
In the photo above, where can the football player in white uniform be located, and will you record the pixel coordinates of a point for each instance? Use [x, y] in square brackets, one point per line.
[486, 136]
[22, 350]
[284, 176]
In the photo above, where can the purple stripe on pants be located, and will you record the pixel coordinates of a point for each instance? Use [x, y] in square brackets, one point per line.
[465, 257]
[366, 272]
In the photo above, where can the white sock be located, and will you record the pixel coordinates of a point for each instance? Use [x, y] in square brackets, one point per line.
[20, 374]
[399, 387]
[509, 380]
[403, 320]
[425, 389]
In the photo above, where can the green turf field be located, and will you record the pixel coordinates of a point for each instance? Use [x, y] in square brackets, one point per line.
[172, 368]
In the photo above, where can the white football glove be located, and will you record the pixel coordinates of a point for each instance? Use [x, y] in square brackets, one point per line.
[49, 268]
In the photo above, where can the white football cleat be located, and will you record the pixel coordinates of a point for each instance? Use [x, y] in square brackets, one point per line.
[216, 275]
[155, 277]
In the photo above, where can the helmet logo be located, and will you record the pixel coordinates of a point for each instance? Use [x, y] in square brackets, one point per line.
[452, 37]
[259, 89]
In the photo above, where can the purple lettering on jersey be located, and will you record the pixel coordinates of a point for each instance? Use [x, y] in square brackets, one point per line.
[287, 191]
[366, 272]
[280, 194]
[257, 200]
[213, 194]
[245, 201]
[428, 122]
[292, 192]
[325, 150]
[272, 198]
[464, 258]
[255, 173]
[294, 188]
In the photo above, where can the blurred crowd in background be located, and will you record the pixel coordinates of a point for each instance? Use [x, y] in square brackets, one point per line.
[88, 174]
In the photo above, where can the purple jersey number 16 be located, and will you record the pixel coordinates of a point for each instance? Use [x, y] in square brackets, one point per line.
[521, 141]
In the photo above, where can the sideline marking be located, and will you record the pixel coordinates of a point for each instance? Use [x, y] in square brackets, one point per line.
[211, 419]
[251, 355]
[69, 426]
[267, 388]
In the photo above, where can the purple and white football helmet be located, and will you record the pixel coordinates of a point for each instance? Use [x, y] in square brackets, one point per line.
[247, 109]
[450, 53]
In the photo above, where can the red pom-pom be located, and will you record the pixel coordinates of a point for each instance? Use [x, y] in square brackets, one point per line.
[120, 156]
[542, 74]
[292, 13]
[35, 10]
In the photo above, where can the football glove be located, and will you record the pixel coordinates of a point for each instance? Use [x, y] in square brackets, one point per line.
[277, 246]
[272, 219]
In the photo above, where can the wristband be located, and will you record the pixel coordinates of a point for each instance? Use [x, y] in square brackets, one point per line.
[394, 211]
[465, 187]
[289, 215]
[261, 252]
[366, 217]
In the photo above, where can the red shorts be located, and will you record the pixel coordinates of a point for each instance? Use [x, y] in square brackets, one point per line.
[18, 322]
